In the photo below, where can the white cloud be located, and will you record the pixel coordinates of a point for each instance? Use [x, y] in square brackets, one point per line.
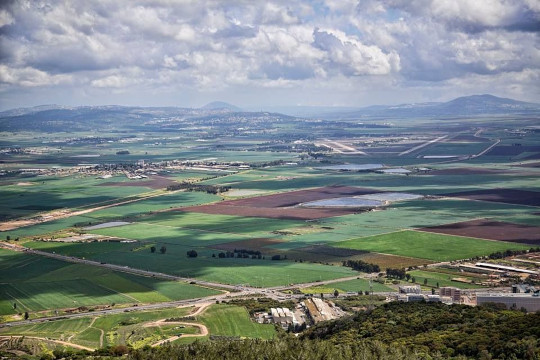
[207, 45]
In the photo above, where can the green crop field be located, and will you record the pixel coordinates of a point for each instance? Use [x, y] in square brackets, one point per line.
[221, 223]
[149, 232]
[35, 283]
[229, 271]
[356, 285]
[163, 202]
[229, 320]
[428, 245]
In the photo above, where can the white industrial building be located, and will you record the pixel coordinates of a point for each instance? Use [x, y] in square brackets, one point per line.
[530, 301]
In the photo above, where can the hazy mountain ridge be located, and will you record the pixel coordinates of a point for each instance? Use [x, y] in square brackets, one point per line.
[463, 106]
[64, 118]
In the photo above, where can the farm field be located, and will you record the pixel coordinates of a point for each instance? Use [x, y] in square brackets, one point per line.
[47, 284]
[220, 223]
[494, 230]
[356, 285]
[430, 246]
[218, 320]
[228, 271]
[443, 279]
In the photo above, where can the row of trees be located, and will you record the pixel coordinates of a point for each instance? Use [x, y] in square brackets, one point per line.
[363, 266]
[396, 273]
[211, 189]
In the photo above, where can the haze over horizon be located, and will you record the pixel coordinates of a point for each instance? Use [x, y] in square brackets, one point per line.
[310, 53]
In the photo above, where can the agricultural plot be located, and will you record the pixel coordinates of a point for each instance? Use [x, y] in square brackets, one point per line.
[356, 285]
[493, 230]
[257, 272]
[508, 196]
[280, 205]
[229, 320]
[430, 246]
[164, 234]
[50, 193]
[35, 283]
[220, 223]
[444, 279]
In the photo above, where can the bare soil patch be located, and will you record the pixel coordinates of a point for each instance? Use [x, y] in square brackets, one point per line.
[493, 230]
[292, 198]
[155, 182]
[508, 196]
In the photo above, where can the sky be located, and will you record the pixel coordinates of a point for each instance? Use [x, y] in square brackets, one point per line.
[255, 53]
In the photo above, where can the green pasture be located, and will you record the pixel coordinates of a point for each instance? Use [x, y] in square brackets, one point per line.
[426, 245]
[230, 320]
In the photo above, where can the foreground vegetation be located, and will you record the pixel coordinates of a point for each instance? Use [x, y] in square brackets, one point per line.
[390, 331]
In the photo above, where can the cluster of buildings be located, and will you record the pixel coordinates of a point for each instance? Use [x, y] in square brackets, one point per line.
[522, 297]
[307, 312]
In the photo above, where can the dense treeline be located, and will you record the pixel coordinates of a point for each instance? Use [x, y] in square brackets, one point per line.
[211, 189]
[507, 253]
[473, 332]
[363, 266]
[396, 273]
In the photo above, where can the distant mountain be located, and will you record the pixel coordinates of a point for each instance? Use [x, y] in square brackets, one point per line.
[463, 106]
[220, 105]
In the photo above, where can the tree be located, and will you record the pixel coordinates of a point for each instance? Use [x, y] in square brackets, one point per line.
[14, 306]
[192, 254]
[221, 255]
[408, 277]
[413, 279]
[8, 237]
[336, 293]
[26, 316]
[163, 250]
[437, 285]
[153, 249]
[425, 281]
[432, 291]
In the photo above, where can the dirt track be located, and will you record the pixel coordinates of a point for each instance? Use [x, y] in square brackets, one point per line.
[65, 343]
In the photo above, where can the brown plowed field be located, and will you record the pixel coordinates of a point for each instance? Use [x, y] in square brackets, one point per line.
[279, 206]
[155, 182]
[508, 196]
[275, 213]
[494, 230]
[292, 198]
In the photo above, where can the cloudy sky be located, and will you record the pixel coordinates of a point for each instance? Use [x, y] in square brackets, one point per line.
[259, 53]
